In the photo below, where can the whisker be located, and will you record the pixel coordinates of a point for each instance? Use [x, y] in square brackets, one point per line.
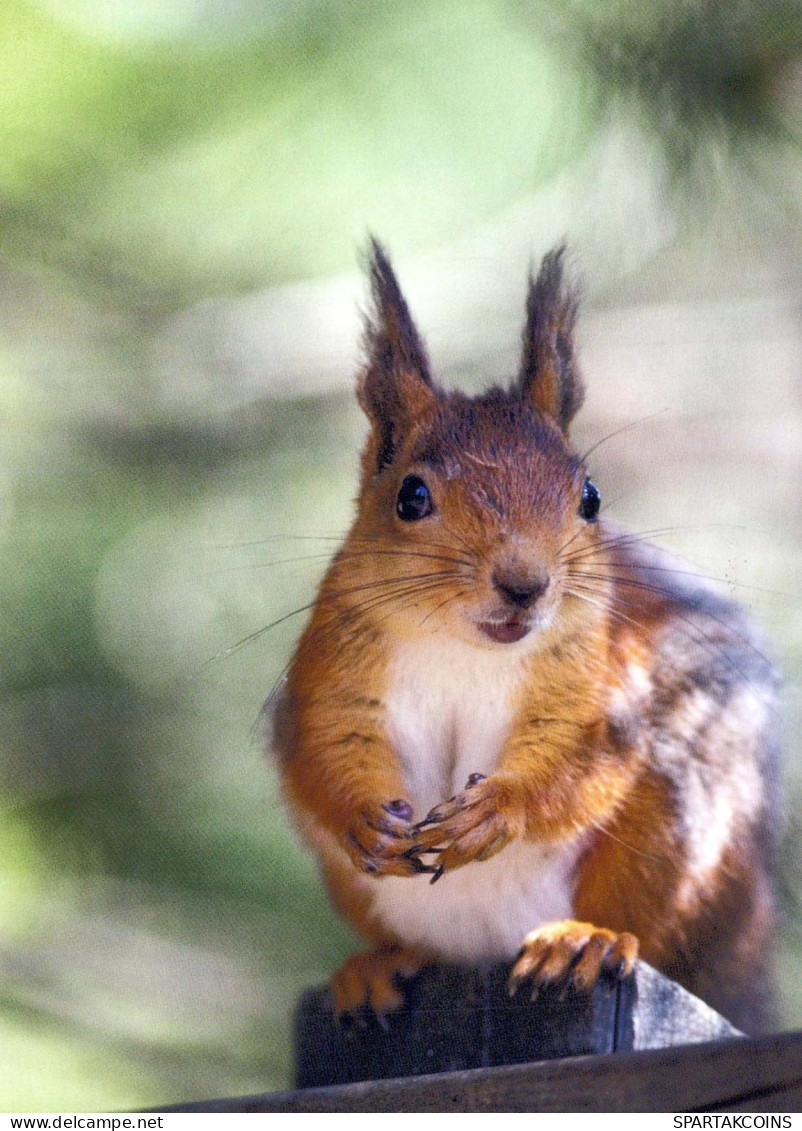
[277, 538]
[348, 556]
[451, 597]
[633, 538]
[619, 431]
[430, 575]
[573, 538]
[347, 619]
[451, 560]
[700, 576]
[630, 847]
[339, 539]
[414, 588]
[252, 636]
[470, 552]
[608, 506]
[694, 631]
[301, 559]
[605, 605]
[381, 582]
[615, 541]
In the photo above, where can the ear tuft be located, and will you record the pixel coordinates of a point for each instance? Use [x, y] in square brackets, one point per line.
[549, 375]
[395, 387]
[390, 334]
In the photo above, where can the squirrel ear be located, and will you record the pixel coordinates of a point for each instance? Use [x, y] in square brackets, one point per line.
[549, 375]
[395, 387]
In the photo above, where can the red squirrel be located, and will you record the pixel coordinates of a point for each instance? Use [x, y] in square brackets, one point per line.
[511, 730]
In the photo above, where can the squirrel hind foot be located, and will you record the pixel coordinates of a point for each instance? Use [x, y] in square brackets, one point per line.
[366, 985]
[576, 955]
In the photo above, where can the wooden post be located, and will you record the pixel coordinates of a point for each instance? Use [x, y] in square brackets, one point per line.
[457, 1018]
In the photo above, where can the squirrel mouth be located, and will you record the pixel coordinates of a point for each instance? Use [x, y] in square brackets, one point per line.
[505, 632]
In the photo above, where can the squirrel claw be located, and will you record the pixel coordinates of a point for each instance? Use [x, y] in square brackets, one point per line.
[419, 850]
[383, 1022]
[574, 956]
[620, 970]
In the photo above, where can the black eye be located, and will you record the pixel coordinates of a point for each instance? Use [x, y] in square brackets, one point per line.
[414, 500]
[591, 501]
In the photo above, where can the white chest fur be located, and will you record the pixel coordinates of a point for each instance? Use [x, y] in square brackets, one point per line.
[449, 710]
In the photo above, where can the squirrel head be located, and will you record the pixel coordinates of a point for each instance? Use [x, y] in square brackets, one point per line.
[473, 512]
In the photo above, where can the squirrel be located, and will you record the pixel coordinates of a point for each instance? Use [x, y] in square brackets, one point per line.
[511, 730]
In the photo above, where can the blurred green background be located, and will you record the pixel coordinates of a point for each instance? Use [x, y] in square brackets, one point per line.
[185, 189]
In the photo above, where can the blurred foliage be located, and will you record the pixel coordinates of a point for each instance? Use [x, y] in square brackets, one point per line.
[700, 73]
[157, 917]
[174, 169]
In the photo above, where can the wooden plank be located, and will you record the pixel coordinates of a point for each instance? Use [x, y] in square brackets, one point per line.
[748, 1074]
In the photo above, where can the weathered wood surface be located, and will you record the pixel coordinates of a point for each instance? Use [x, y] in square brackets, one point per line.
[749, 1074]
[457, 1019]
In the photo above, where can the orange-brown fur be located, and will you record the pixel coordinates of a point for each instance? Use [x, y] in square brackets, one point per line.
[637, 698]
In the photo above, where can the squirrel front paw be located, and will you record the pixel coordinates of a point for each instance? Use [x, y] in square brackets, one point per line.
[381, 841]
[474, 825]
[574, 954]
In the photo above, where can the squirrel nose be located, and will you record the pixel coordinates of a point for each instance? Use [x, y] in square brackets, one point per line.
[519, 589]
